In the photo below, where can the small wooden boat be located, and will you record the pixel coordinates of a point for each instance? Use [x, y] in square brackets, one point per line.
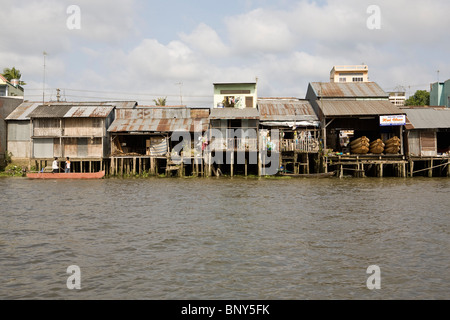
[311, 175]
[44, 175]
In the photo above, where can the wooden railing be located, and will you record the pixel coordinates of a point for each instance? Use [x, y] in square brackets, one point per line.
[300, 145]
[234, 144]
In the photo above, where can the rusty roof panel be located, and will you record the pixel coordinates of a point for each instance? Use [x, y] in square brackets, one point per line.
[158, 125]
[200, 113]
[23, 110]
[155, 113]
[358, 108]
[280, 109]
[89, 112]
[234, 113]
[348, 90]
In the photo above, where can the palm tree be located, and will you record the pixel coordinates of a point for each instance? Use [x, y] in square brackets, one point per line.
[13, 73]
[160, 101]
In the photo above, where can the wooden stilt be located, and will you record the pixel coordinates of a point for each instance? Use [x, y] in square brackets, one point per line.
[246, 167]
[430, 171]
[404, 170]
[259, 164]
[448, 168]
[232, 163]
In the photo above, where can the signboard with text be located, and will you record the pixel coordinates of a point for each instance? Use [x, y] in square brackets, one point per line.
[386, 121]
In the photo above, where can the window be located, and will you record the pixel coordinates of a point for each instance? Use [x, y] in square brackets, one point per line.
[46, 123]
[342, 79]
[358, 79]
[97, 122]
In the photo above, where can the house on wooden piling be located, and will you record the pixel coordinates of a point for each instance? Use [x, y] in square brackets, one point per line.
[428, 140]
[358, 121]
[77, 130]
[7, 106]
[19, 132]
[299, 131]
[141, 137]
[234, 129]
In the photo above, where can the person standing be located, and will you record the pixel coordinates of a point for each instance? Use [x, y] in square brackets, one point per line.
[67, 165]
[55, 166]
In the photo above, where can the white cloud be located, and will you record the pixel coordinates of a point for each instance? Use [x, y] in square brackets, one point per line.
[259, 31]
[206, 40]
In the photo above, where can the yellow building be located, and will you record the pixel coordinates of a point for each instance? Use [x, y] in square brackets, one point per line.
[356, 73]
[10, 89]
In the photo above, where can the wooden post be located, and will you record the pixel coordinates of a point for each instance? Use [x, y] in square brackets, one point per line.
[259, 164]
[232, 163]
[209, 164]
[152, 170]
[307, 163]
[448, 167]
[134, 166]
[430, 171]
[404, 169]
[246, 167]
[341, 171]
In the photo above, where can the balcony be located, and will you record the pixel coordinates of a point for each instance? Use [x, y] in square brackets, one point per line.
[306, 145]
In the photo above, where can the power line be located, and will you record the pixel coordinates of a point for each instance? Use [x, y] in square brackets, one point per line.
[127, 93]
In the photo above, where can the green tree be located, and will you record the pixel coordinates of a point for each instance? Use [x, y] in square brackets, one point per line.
[13, 73]
[420, 98]
[160, 101]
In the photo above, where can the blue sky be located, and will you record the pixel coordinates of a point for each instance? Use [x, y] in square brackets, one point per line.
[142, 50]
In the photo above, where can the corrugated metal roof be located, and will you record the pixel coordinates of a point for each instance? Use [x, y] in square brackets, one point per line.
[153, 113]
[89, 112]
[157, 125]
[50, 111]
[358, 108]
[23, 110]
[234, 113]
[286, 110]
[428, 118]
[348, 90]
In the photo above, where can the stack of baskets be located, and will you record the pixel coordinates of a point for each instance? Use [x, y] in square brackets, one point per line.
[360, 145]
[393, 146]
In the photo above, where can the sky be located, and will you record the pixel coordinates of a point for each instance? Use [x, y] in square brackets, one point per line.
[143, 50]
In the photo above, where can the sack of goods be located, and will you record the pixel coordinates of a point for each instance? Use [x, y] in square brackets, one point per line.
[377, 147]
[360, 145]
[393, 146]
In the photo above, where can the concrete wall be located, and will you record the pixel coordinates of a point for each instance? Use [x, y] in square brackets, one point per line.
[219, 94]
[7, 105]
[440, 94]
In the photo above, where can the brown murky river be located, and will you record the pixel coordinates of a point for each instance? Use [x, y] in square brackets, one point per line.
[220, 239]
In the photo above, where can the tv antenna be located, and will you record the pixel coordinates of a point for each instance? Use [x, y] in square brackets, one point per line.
[181, 94]
[43, 84]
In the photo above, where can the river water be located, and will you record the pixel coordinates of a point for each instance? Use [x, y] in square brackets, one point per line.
[225, 239]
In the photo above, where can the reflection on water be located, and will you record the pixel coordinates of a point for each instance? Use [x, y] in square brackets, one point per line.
[235, 238]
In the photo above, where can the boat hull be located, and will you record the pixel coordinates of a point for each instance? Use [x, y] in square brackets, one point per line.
[42, 175]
